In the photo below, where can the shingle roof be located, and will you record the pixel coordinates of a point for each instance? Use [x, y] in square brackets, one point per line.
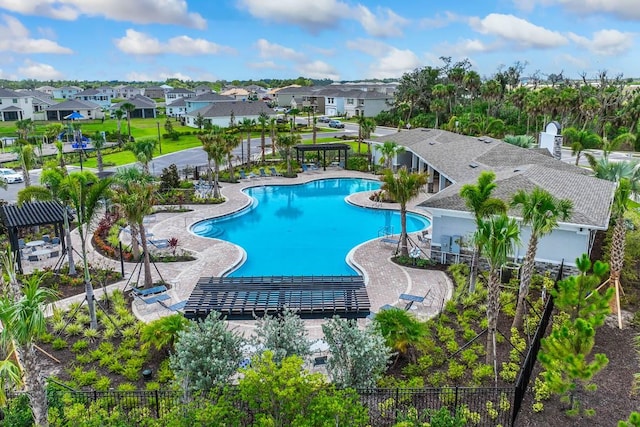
[89, 92]
[180, 102]
[140, 101]
[210, 96]
[239, 108]
[73, 104]
[180, 90]
[35, 213]
[8, 93]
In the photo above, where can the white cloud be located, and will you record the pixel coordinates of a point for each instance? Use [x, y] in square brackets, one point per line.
[159, 76]
[38, 71]
[395, 63]
[137, 43]
[15, 38]
[318, 70]
[626, 10]
[580, 63]
[311, 15]
[467, 47]
[138, 11]
[440, 20]
[264, 65]
[605, 42]
[386, 23]
[268, 50]
[517, 30]
[369, 46]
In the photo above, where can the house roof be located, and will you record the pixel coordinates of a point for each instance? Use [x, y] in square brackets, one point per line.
[180, 102]
[211, 97]
[36, 94]
[73, 104]
[89, 92]
[236, 91]
[8, 93]
[29, 214]
[140, 101]
[461, 158]
[12, 108]
[239, 108]
[180, 90]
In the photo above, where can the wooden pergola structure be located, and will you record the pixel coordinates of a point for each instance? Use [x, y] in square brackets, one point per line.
[31, 214]
[311, 297]
[341, 148]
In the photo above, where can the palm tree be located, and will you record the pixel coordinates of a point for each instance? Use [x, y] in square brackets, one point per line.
[247, 125]
[98, 143]
[580, 140]
[478, 198]
[402, 331]
[27, 160]
[23, 322]
[618, 239]
[273, 124]
[60, 155]
[496, 237]
[231, 141]
[162, 333]
[84, 191]
[541, 211]
[119, 113]
[24, 127]
[128, 108]
[52, 131]
[143, 149]
[522, 141]
[286, 143]
[403, 187]
[213, 145]
[388, 151]
[263, 119]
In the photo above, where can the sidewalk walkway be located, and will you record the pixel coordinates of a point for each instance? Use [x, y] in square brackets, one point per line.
[385, 280]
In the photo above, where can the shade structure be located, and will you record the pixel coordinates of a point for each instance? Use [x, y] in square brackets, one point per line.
[74, 116]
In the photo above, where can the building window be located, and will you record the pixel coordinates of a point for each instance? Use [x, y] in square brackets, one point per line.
[349, 101]
[330, 100]
[15, 100]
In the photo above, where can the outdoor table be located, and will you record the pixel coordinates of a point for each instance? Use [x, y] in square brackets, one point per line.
[34, 243]
[409, 297]
[41, 252]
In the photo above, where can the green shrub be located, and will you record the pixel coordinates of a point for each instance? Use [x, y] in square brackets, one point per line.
[80, 345]
[481, 373]
[455, 371]
[17, 412]
[59, 344]
[469, 357]
[74, 329]
[84, 378]
[102, 384]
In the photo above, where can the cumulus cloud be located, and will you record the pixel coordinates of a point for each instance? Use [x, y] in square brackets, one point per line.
[268, 50]
[467, 47]
[385, 23]
[518, 31]
[318, 70]
[138, 43]
[626, 10]
[312, 16]
[440, 20]
[395, 63]
[369, 46]
[159, 76]
[264, 65]
[605, 42]
[38, 71]
[138, 11]
[16, 38]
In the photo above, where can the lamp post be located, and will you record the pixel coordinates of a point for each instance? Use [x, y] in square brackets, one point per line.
[159, 138]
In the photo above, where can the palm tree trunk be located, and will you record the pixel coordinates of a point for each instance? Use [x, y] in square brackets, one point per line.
[231, 170]
[135, 247]
[99, 160]
[249, 149]
[525, 281]
[216, 187]
[616, 258]
[34, 383]
[404, 249]
[148, 280]
[210, 172]
[87, 285]
[493, 308]
[262, 144]
[67, 236]
[473, 273]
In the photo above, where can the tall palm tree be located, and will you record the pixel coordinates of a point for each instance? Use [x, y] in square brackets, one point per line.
[143, 149]
[541, 211]
[98, 143]
[580, 140]
[389, 150]
[128, 108]
[247, 125]
[620, 206]
[286, 142]
[230, 142]
[27, 160]
[23, 320]
[478, 198]
[52, 131]
[496, 237]
[119, 114]
[85, 191]
[213, 145]
[403, 188]
[263, 120]
[273, 125]
[60, 153]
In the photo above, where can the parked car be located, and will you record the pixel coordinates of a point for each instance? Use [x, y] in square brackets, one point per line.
[324, 119]
[10, 176]
[337, 124]
[279, 109]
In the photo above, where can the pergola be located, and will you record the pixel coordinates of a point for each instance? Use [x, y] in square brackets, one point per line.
[311, 297]
[30, 215]
[301, 149]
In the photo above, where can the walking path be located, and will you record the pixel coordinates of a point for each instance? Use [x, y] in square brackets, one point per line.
[385, 280]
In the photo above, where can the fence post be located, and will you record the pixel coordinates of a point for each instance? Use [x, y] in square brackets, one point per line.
[455, 403]
[157, 405]
[395, 412]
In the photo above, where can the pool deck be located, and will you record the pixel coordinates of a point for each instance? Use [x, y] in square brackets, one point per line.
[385, 280]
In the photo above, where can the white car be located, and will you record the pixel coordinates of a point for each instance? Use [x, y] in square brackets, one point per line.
[10, 176]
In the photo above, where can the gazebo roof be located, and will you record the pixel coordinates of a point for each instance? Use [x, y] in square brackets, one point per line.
[322, 147]
[31, 214]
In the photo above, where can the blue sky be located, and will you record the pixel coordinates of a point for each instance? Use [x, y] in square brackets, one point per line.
[335, 39]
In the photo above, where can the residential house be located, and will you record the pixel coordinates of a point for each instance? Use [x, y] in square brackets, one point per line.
[46, 89]
[87, 109]
[334, 102]
[145, 107]
[237, 93]
[109, 91]
[154, 92]
[179, 92]
[127, 91]
[15, 105]
[202, 89]
[66, 92]
[40, 101]
[177, 108]
[220, 113]
[205, 99]
[453, 160]
[366, 103]
[302, 96]
[94, 95]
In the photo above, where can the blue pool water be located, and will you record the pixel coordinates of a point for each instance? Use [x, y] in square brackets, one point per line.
[305, 229]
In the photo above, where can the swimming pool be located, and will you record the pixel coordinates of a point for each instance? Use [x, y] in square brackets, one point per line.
[304, 229]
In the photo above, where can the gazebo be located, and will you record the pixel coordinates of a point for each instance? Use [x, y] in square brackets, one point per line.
[301, 149]
[30, 215]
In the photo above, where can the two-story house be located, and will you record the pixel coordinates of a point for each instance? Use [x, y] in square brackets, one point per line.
[204, 100]
[15, 105]
[94, 95]
[127, 91]
[145, 107]
[65, 92]
[174, 94]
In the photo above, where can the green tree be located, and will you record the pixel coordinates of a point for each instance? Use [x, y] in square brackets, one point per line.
[580, 140]
[230, 142]
[358, 357]
[162, 333]
[478, 198]
[388, 151]
[27, 160]
[564, 354]
[206, 354]
[128, 108]
[263, 120]
[495, 237]
[541, 211]
[286, 142]
[403, 187]
[199, 121]
[143, 149]
[119, 114]
[84, 192]
[98, 143]
[247, 126]
[284, 335]
[23, 321]
[402, 331]
[522, 141]
[51, 131]
[213, 144]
